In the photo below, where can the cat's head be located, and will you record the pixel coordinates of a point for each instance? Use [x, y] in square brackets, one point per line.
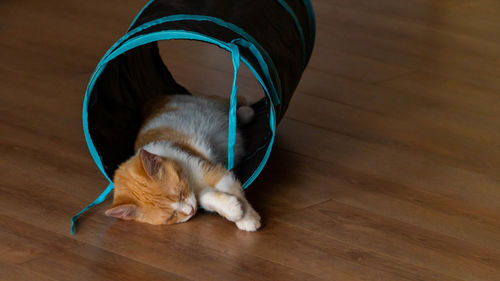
[152, 189]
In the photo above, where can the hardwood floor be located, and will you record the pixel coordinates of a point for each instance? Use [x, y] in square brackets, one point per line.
[386, 166]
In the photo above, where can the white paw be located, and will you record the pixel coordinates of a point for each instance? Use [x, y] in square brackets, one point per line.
[245, 114]
[232, 209]
[250, 222]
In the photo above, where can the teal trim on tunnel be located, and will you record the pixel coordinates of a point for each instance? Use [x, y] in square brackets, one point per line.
[157, 36]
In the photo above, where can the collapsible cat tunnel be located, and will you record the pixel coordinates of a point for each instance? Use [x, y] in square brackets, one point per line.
[273, 38]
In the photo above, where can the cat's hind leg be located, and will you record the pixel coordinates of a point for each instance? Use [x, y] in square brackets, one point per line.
[245, 114]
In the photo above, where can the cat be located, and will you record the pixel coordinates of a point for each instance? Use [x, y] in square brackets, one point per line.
[180, 160]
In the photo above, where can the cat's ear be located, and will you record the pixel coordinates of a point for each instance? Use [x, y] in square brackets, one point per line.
[124, 212]
[152, 163]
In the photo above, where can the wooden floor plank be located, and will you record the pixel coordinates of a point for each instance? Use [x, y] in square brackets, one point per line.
[410, 44]
[401, 241]
[74, 264]
[407, 174]
[21, 242]
[229, 256]
[163, 248]
[9, 272]
[444, 137]
[396, 164]
[314, 254]
[307, 178]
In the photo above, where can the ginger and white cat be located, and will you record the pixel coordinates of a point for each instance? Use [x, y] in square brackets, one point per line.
[180, 160]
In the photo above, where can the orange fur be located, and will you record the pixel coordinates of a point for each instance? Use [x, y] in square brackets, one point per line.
[155, 107]
[159, 134]
[148, 197]
[191, 150]
[152, 196]
[212, 174]
[177, 138]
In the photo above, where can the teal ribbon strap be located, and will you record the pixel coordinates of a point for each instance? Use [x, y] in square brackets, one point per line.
[231, 138]
[97, 201]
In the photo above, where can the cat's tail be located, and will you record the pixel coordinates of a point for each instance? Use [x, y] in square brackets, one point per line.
[245, 114]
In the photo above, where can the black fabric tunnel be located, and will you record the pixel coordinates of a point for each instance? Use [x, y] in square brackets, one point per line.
[274, 39]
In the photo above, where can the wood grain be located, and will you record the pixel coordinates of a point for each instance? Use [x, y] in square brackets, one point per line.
[385, 166]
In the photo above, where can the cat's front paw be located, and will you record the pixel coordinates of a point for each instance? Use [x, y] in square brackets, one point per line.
[250, 222]
[232, 209]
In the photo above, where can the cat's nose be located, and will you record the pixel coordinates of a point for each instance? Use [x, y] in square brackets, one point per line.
[193, 210]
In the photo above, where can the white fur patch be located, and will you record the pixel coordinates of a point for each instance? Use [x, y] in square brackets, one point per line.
[226, 205]
[191, 200]
[187, 206]
[225, 183]
[206, 122]
[248, 224]
[203, 119]
[250, 221]
[245, 114]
